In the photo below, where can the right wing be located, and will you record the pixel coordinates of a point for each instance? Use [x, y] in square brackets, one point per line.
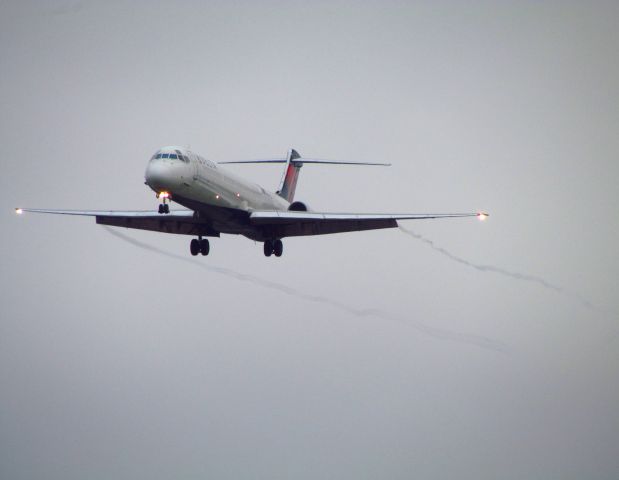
[177, 221]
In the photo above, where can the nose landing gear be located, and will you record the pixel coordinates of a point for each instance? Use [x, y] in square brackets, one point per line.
[199, 245]
[273, 247]
[164, 207]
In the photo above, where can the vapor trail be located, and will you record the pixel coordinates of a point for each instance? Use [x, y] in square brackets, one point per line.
[437, 333]
[502, 271]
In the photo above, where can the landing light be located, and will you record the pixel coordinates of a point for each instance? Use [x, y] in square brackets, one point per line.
[164, 194]
[482, 216]
[19, 211]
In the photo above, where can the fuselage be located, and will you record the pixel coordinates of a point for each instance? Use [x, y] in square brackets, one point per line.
[198, 183]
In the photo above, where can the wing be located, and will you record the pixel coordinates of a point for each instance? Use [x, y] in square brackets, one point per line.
[291, 224]
[177, 221]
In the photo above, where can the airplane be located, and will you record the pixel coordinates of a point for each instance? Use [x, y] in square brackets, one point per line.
[218, 201]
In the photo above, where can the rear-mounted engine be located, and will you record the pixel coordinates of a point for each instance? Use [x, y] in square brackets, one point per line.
[298, 207]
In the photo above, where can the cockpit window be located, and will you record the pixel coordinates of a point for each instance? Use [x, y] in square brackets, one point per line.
[178, 155]
[181, 156]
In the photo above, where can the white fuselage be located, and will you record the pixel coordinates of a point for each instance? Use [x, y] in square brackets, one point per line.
[192, 180]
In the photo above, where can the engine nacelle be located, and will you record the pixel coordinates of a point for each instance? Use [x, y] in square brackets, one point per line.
[298, 207]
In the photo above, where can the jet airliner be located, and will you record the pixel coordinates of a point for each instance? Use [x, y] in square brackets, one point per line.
[217, 201]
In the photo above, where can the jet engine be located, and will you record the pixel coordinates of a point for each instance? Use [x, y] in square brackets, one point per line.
[298, 207]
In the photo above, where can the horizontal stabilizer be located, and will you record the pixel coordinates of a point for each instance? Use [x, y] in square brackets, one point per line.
[269, 160]
[332, 162]
[305, 160]
[294, 162]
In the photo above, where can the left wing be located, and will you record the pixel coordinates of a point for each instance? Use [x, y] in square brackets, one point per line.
[177, 221]
[291, 224]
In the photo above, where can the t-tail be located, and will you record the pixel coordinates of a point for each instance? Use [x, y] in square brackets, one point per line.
[294, 162]
[288, 184]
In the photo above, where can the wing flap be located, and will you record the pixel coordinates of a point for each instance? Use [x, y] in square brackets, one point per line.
[161, 223]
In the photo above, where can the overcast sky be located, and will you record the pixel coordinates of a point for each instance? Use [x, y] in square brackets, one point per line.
[362, 355]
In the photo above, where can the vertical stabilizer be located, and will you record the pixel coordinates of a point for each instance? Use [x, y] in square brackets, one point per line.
[288, 183]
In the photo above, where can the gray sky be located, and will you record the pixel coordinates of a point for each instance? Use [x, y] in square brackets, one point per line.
[365, 355]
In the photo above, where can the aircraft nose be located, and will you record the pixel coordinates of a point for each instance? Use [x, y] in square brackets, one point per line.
[159, 175]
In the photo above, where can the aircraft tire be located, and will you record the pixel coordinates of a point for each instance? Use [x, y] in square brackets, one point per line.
[166, 208]
[268, 248]
[204, 246]
[194, 246]
[278, 248]
[161, 208]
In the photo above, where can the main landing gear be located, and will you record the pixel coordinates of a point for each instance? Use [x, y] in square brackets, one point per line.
[273, 247]
[199, 245]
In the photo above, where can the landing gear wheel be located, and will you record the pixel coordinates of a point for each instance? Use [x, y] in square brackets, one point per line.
[268, 248]
[204, 247]
[194, 247]
[166, 208]
[161, 209]
[278, 248]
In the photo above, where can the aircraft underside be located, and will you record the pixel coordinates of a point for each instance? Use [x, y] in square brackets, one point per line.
[218, 202]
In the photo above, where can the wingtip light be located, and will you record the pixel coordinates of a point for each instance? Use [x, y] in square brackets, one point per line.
[482, 216]
[19, 211]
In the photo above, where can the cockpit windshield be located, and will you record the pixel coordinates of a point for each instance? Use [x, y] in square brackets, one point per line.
[173, 156]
